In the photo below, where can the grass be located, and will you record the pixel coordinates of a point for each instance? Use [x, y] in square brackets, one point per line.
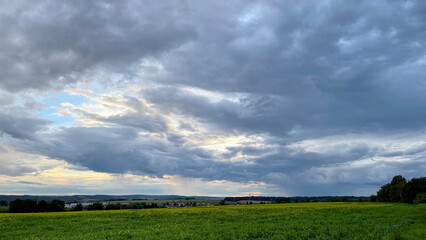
[272, 221]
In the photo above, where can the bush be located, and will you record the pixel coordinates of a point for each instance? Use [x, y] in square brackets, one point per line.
[373, 198]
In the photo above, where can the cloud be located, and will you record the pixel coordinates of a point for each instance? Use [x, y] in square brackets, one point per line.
[303, 96]
[334, 66]
[50, 44]
[15, 163]
[21, 127]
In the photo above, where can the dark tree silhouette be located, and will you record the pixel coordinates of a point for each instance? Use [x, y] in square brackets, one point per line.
[57, 205]
[15, 206]
[43, 206]
[96, 206]
[383, 193]
[399, 190]
[414, 187]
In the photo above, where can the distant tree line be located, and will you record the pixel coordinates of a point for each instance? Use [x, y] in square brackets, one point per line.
[298, 199]
[399, 190]
[118, 206]
[31, 205]
[307, 200]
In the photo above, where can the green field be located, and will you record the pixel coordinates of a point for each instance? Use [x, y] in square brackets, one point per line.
[272, 221]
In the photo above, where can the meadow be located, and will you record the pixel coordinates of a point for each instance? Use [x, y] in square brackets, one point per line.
[271, 221]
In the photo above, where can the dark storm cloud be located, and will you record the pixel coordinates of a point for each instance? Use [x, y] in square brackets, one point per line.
[336, 66]
[51, 43]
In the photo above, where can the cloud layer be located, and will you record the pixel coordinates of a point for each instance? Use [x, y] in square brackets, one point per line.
[313, 97]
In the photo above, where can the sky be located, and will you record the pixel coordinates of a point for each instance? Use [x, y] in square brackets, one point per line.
[217, 98]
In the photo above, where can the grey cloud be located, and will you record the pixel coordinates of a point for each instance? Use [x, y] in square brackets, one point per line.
[337, 66]
[15, 170]
[121, 150]
[148, 122]
[248, 115]
[21, 127]
[29, 183]
[49, 44]
[413, 151]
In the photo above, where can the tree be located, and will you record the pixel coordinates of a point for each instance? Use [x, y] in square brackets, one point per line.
[414, 187]
[57, 205]
[113, 206]
[43, 206]
[3, 203]
[29, 205]
[96, 206]
[396, 189]
[399, 190]
[360, 199]
[78, 207]
[397, 179]
[15, 206]
[222, 202]
[306, 200]
[383, 193]
[283, 200]
[373, 198]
